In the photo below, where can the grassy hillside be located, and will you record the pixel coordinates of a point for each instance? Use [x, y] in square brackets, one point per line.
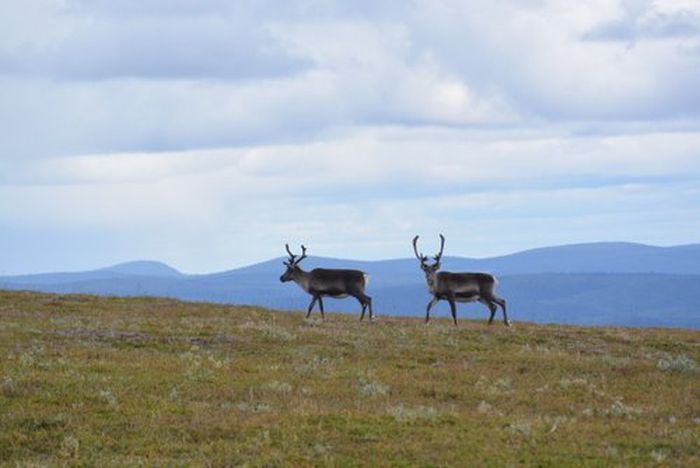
[123, 381]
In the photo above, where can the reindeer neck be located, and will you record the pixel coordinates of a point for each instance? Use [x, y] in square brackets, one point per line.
[303, 279]
[431, 278]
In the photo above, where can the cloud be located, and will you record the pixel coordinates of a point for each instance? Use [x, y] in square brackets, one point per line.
[129, 115]
[537, 59]
[390, 164]
[131, 76]
[435, 155]
[651, 20]
[184, 129]
[155, 48]
[215, 220]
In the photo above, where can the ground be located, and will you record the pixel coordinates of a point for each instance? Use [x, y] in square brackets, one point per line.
[114, 381]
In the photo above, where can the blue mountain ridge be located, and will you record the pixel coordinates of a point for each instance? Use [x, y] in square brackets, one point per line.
[588, 284]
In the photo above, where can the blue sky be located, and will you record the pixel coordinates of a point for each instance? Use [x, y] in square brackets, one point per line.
[206, 134]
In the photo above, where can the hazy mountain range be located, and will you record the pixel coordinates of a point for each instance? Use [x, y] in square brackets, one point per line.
[591, 284]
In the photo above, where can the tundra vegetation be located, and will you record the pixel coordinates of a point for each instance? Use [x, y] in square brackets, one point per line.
[124, 381]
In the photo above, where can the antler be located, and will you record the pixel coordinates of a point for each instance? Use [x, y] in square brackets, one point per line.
[442, 247]
[293, 260]
[419, 256]
[291, 255]
[303, 254]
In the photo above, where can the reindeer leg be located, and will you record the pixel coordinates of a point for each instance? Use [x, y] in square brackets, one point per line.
[320, 304]
[502, 303]
[311, 306]
[366, 302]
[432, 302]
[453, 308]
[492, 307]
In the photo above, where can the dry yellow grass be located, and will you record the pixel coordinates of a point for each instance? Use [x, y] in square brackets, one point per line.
[111, 381]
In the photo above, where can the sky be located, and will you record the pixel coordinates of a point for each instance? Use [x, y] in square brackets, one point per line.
[207, 133]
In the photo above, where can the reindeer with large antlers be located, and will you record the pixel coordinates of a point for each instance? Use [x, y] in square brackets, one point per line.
[458, 287]
[322, 282]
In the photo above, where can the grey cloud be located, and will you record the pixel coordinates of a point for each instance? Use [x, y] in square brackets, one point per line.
[199, 47]
[260, 9]
[43, 118]
[155, 8]
[625, 31]
[170, 75]
[657, 26]
[173, 39]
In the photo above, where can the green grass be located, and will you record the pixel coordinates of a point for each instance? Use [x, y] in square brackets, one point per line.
[112, 381]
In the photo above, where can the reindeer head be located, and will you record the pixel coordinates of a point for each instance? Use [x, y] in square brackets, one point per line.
[292, 264]
[429, 269]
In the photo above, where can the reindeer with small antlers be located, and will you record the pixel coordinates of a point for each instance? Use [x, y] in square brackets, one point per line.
[322, 282]
[458, 287]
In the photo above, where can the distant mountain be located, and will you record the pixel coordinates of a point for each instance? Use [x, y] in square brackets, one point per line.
[603, 257]
[144, 268]
[588, 284]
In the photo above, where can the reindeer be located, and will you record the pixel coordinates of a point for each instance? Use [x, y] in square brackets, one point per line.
[458, 287]
[323, 282]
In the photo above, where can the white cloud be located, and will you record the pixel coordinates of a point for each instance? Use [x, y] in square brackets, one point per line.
[365, 167]
[374, 155]
[180, 130]
[537, 58]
